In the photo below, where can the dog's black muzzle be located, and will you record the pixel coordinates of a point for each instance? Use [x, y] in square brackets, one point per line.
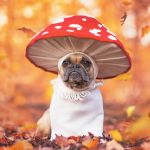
[75, 73]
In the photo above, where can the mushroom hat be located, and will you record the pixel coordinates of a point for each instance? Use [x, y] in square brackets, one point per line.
[79, 34]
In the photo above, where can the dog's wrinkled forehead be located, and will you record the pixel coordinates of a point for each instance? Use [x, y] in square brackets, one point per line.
[76, 59]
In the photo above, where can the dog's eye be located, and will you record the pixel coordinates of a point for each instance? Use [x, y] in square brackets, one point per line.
[65, 63]
[86, 63]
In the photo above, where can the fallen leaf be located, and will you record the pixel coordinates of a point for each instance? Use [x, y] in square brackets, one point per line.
[124, 77]
[17, 135]
[123, 18]
[145, 30]
[113, 145]
[29, 32]
[86, 139]
[76, 138]
[130, 110]
[29, 127]
[138, 129]
[132, 141]
[145, 146]
[72, 141]
[21, 145]
[62, 140]
[126, 2]
[46, 148]
[116, 135]
[92, 144]
[3, 55]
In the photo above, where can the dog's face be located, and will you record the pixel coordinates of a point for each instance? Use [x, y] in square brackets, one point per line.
[76, 71]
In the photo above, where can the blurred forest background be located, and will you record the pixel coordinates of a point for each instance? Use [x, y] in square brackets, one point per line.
[25, 91]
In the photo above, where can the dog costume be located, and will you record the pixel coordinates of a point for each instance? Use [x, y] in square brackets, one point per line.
[78, 112]
[75, 113]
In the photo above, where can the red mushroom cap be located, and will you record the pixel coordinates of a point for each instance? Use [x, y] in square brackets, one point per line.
[79, 34]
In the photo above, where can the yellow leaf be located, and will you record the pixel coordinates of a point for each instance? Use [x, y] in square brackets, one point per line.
[130, 110]
[3, 55]
[126, 2]
[145, 30]
[116, 135]
[29, 127]
[21, 145]
[124, 76]
[92, 144]
[139, 129]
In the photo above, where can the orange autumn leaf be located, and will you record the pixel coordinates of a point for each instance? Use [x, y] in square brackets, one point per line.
[76, 138]
[21, 145]
[132, 141]
[92, 144]
[145, 30]
[29, 127]
[29, 32]
[113, 145]
[116, 135]
[61, 140]
[126, 2]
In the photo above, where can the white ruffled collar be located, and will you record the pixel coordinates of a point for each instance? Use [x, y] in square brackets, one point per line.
[70, 94]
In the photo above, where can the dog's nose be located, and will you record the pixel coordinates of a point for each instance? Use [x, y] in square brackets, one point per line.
[76, 66]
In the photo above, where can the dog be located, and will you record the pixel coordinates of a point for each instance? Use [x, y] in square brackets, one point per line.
[77, 106]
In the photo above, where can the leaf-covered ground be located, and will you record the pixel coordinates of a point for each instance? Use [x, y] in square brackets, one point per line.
[130, 134]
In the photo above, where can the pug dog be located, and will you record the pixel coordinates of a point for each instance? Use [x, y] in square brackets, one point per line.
[76, 106]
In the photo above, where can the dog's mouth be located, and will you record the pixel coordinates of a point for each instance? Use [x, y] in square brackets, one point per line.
[75, 78]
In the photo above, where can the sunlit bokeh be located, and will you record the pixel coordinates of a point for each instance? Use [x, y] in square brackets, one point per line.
[3, 19]
[145, 41]
[28, 12]
[96, 12]
[129, 27]
[82, 12]
[88, 4]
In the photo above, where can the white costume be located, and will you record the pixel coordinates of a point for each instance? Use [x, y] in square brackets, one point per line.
[75, 113]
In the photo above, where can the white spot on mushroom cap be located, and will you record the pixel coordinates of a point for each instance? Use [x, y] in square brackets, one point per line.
[58, 27]
[112, 37]
[97, 34]
[95, 31]
[105, 26]
[99, 25]
[69, 16]
[70, 30]
[84, 19]
[42, 29]
[45, 32]
[75, 25]
[92, 17]
[58, 21]
[111, 32]
[108, 30]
